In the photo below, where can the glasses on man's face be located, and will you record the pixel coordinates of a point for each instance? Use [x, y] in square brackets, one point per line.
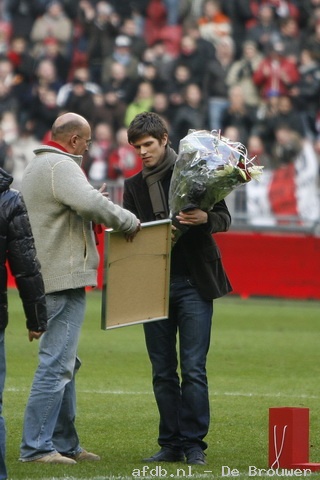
[88, 141]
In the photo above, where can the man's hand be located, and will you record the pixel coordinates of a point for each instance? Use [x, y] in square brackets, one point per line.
[34, 335]
[192, 217]
[101, 190]
[130, 236]
[173, 232]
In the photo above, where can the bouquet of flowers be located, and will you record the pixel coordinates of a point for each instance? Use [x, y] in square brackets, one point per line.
[208, 168]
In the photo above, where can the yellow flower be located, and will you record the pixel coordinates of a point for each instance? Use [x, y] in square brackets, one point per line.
[255, 172]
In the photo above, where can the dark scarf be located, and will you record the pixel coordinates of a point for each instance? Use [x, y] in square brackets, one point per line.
[153, 177]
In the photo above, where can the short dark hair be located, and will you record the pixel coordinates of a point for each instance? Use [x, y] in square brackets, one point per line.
[147, 123]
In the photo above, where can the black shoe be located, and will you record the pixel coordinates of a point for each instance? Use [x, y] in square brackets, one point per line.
[166, 455]
[196, 457]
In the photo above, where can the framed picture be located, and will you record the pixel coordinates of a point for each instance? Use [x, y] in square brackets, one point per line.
[136, 276]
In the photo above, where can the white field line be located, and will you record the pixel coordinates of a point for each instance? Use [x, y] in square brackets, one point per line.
[196, 475]
[215, 394]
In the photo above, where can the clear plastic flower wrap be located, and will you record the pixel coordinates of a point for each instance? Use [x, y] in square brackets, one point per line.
[208, 168]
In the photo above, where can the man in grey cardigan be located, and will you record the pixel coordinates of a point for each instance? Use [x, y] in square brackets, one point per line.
[62, 206]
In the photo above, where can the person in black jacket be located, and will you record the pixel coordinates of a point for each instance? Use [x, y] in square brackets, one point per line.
[17, 250]
[197, 277]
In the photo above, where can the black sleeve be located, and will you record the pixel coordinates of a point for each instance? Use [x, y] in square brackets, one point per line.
[25, 266]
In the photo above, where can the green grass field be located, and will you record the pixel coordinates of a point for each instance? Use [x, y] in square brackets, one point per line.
[264, 353]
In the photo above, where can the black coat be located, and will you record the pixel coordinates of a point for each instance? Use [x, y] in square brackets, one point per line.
[197, 246]
[17, 247]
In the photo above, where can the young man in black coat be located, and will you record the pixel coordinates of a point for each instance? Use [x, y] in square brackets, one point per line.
[18, 249]
[197, 277]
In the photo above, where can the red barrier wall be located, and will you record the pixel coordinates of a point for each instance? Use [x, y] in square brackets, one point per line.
[274, 265]
[266, 264]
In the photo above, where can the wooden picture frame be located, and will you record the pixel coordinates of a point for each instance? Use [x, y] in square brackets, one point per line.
[136, 276]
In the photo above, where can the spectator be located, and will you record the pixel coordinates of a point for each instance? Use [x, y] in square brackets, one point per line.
[289, 115]
[54, 23]
[19, 73]
[5, 34]
[289, 36]
[283, 114]
[148, 72]
[69, 6]
[215, 85]
[155, 21]
[158, 55]
[82, 74]
[241, 72]
[192, 114]
[142, 102]
[22, 16]
[6, 157]
[276, 72]
[233, 134]
[61, 62]
[238, 114]
[316, 146]
[192, 10]
[308, 15]
[214, 24]
[265, 28]
[256, 149]
[111, 109]
[80, 100]
[43, 111]
[130, 29]
[162, 107]
[266, 113]
[205, 47]
[9, 126]
[7, 73]
[101, 26]
[190, 58]
[285, 9]
[120, 84]
[173, 11]
[46, 75]
[305, 93]
[22, 149]
[123, 159]
[96, 162]
[121, 54]
[312, 42]
[103, 114]
[136, 9]
[23, 63]
[181, 77]
[240, 13]
[8, 101]
[284, 193]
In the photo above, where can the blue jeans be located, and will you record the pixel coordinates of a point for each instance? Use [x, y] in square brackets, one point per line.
[172, 7]
[217, 106]
[3, 470]
[51, 409]
[183, 406]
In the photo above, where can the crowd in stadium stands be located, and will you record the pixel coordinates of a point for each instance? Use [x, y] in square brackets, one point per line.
[249, 68]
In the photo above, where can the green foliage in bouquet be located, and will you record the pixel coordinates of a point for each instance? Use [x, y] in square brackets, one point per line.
[207, 169]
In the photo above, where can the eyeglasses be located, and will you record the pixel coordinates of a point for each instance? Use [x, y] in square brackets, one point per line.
[88, 142]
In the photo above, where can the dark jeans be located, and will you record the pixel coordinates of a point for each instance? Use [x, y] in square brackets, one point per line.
[183, 405]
